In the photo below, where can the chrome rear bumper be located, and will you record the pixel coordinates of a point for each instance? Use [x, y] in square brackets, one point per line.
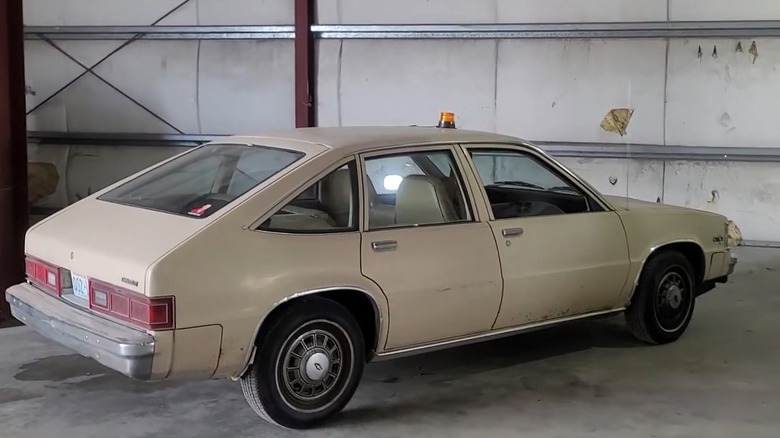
[128, 351]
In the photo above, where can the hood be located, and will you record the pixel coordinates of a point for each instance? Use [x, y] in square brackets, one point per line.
[622, 203]
[109, 242]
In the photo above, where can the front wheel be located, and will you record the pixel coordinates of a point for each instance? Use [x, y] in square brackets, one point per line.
[307, 366]
[664, 299]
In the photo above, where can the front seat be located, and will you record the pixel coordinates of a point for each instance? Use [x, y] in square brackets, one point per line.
[423, 200]
[379, 214]
[336, 197]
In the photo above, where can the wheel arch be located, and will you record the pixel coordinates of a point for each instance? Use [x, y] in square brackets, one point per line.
[356, 300]
[691, 249]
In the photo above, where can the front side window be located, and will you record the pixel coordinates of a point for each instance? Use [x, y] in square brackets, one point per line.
[203, 181]
[520, 185]
[417, 188]
[329, 205]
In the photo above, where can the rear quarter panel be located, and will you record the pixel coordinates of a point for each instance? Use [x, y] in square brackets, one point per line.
[232, 276]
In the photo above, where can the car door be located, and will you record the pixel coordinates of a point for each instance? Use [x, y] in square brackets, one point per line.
[425, 247]
[562, 253]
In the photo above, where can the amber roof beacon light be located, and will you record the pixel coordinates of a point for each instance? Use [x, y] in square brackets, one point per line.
[446, 120]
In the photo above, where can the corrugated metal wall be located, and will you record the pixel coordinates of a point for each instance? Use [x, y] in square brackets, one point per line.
[685, 92]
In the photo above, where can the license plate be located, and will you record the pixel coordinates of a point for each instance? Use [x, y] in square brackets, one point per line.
[80, 286]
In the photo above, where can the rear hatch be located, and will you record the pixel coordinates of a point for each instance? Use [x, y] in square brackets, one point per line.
[109, 242]
[97, 253]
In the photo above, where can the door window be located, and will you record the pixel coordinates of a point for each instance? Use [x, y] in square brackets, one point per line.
[415, 188]
[518, 184]
[329, 205]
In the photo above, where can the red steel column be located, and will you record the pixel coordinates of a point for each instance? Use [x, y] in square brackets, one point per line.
[305, 70]
[14, 210]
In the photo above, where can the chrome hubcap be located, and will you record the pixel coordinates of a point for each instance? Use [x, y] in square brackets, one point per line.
[315, 366]
[673, 301]
[674, 297]
[312, 365]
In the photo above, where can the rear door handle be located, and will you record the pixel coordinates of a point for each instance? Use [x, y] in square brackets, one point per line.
[384, 245]
[512, 232]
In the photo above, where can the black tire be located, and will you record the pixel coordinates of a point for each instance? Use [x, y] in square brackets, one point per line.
[658, 313]
[273, 390]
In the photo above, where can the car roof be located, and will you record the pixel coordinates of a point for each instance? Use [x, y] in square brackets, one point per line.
[356, 139]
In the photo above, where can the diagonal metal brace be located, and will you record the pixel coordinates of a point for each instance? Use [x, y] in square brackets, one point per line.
[101, 61]
[114, 87]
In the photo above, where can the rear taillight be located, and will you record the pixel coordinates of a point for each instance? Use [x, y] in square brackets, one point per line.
[44, 275]
[150, 313]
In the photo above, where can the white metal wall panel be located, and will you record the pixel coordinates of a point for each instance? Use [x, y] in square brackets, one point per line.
[88, 53]
[487, 11]
[145, 12]
[213, 87]
[556, 90]
[641, 179]
[723, 101]
[246, 86]
[95, 12]
[582, 11]
[703, 10]
[244, 12]
[90, 105]
[406, 11]
[409, 82]
[162, 76]
[561, 90]
[46, 71]
[749, 193]
[329, 82]
[186, 15]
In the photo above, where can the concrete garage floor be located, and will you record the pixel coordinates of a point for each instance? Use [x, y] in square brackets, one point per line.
[585, 380]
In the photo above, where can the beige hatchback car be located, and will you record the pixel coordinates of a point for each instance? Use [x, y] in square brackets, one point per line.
[289, 260]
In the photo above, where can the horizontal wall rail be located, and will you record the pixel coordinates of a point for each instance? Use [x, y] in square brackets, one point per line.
[661, 152]
[654, 29]
[659, 29]
[118, 139]
[558, 149]
[107, 33]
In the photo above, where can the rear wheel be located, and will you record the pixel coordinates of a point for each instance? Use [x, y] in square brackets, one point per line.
[307, 366]
[664, 299]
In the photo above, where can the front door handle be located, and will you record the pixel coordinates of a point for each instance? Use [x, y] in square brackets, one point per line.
[512, 232]
[384, 245]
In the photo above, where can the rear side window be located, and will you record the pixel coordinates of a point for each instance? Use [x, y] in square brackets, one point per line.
[201, 182]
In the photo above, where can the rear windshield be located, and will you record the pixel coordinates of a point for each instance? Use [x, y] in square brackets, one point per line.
[201, 182]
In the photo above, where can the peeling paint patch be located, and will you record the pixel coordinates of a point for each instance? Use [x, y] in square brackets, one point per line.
[617, 120]
[714, 197]
[753, 50]
[42, 181]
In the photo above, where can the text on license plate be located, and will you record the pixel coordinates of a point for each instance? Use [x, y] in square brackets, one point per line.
[80, 286]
